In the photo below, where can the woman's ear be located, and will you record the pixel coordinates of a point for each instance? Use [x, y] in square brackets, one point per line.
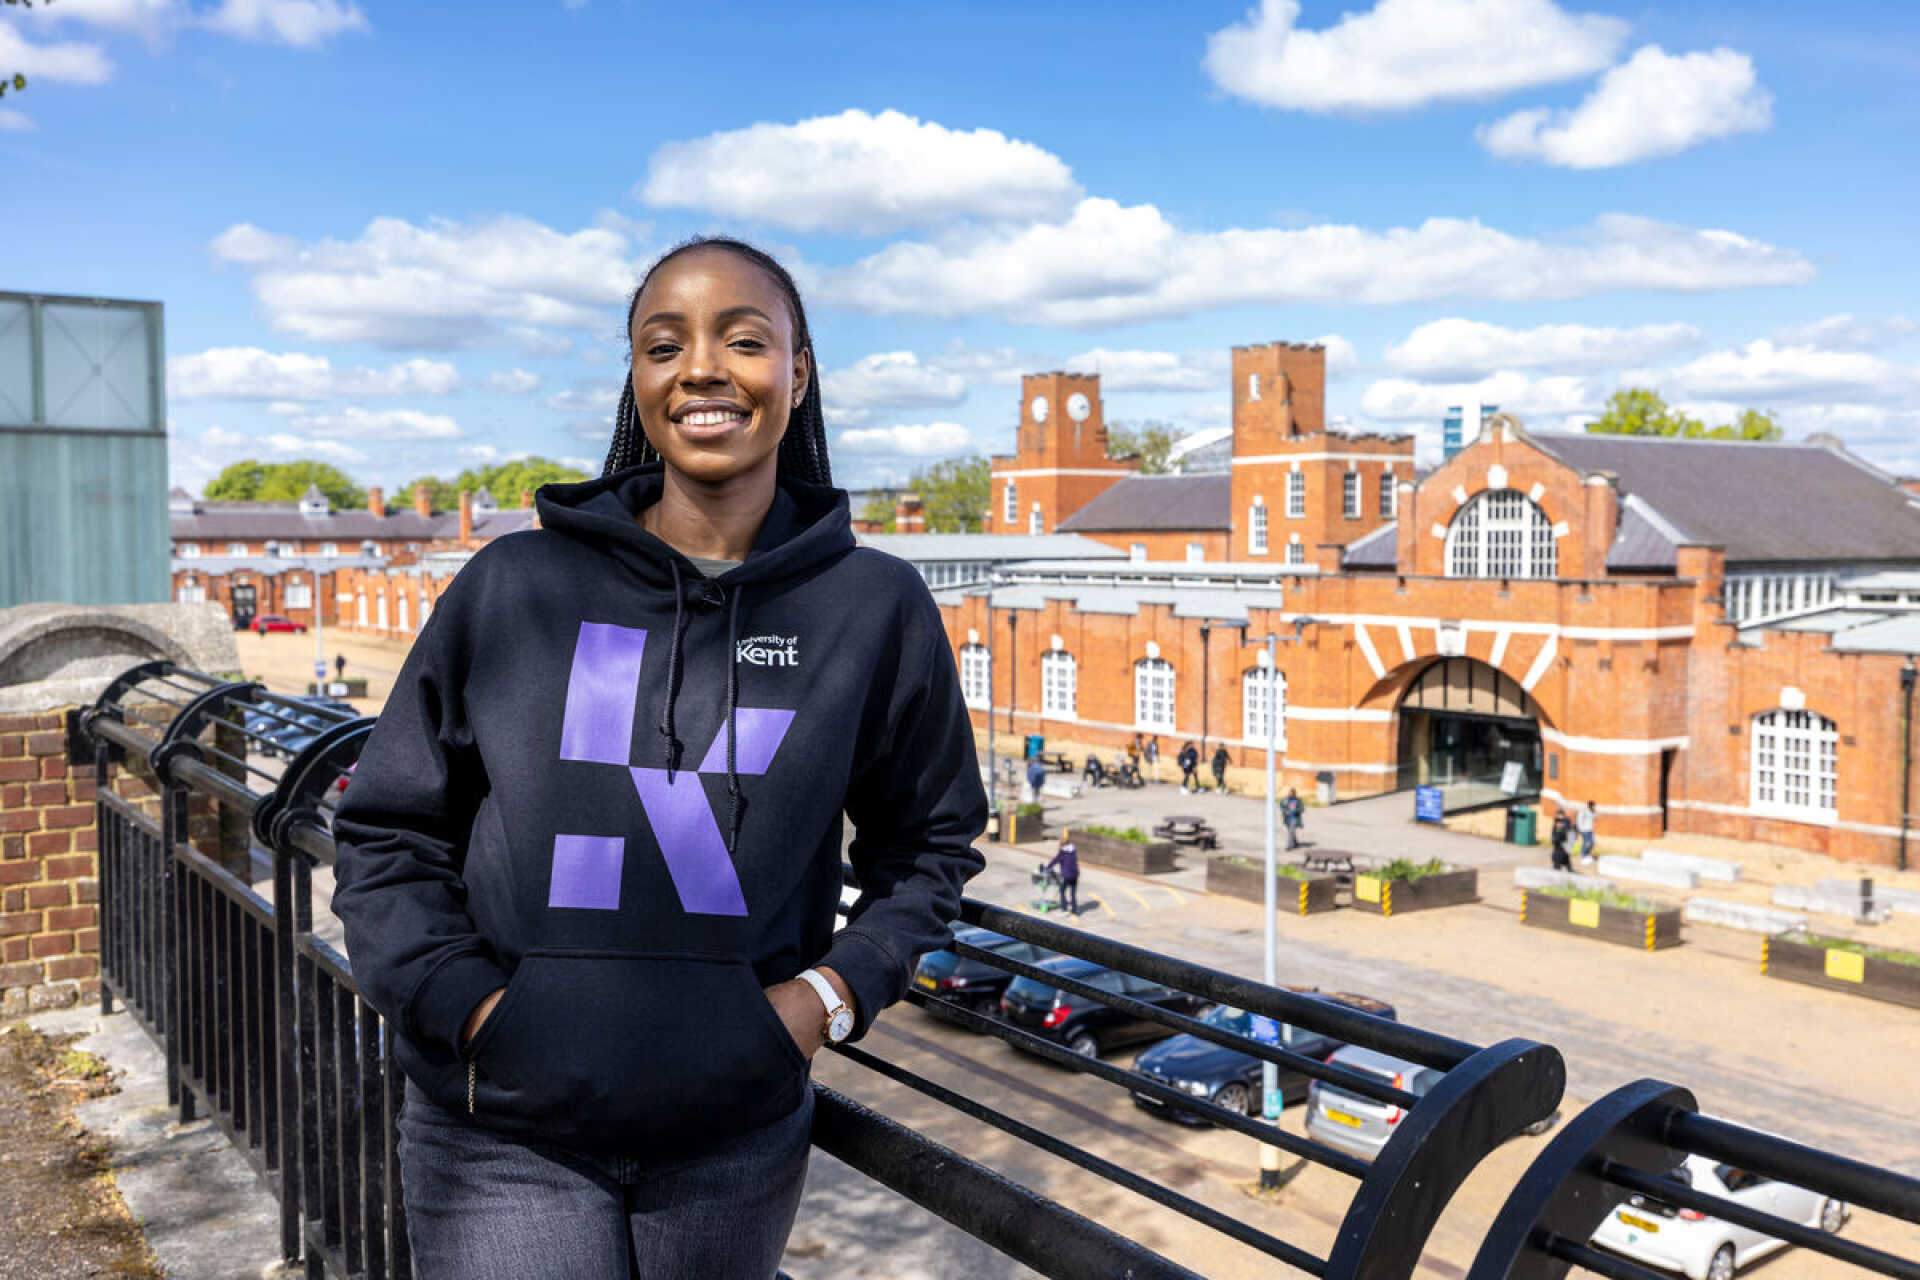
[802, 374]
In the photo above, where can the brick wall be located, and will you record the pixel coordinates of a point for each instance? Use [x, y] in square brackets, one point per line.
[49, 885]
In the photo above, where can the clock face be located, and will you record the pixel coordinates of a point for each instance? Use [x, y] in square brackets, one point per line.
[1039, 407]
[1078, 407]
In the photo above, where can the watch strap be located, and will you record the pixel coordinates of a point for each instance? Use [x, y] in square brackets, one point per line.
[824, 989]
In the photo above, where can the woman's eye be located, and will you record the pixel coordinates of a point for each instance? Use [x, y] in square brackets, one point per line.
[749, 344]
[662, 349]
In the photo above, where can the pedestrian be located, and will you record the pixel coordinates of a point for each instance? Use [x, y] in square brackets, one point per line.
[1189, 762]
[1293, 813]
[1583, 821]
[1066, 864]
[1152, 753]
[339, 666]
[1562, 833]
[1036, 775]
[1220, 767]
[590, 860]
[1135, 750]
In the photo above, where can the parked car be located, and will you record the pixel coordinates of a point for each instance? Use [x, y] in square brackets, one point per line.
[1361, 1126]
[291, 728]
[1087, 1026]
[1648, 1229]
[1230, 1078]
[265, 622]
[972, 982]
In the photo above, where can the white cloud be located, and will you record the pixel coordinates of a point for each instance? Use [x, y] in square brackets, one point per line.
[12, 121]
[301, 23]
[1461, 348]
[442, 285]
[596, 399]
[513, 381]
[1762, 370]
[1844, 332]
[67, 62]
[356, 423]
[1342, 359]
[860, 172]
[193, 460]
[249, 373]
[916, 441]
[287, 444]
[1542, 403]
[477, 453]
[1153, 370]
[888, 380]
[1407, 53]
[1653, 104]
[1111, 263]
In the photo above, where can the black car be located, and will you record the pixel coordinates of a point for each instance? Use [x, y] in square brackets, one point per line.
[968, 981]
[1229, 1078]
[290, 728]
[1087, 1026]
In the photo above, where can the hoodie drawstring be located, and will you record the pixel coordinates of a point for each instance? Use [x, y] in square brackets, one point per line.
[673, 671]
[711, 593]
[736, 803]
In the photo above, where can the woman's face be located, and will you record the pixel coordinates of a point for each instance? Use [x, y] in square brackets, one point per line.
[715, 373]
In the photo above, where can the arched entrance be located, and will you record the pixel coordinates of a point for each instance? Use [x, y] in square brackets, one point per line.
[1472, 731]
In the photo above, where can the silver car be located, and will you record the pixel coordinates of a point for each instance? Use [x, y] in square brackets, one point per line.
[1360, 1126]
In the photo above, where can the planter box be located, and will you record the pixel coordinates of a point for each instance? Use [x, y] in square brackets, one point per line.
[1124, 855]
[1017, 830]
[1862, 975]
[1647, 930]
[1397, 897]
[1306, 897]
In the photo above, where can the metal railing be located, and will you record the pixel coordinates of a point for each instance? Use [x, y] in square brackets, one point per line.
[264, 1028]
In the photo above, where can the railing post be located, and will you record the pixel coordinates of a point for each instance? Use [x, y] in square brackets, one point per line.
[286, 1051]
[173, 825]
[106, 855]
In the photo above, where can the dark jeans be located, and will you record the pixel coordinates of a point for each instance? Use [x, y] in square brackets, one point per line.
[1293, 833]
[483, 1206]
[1070, 893]
[1189, 778]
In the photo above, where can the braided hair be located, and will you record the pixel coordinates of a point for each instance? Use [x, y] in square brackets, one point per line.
[803, 450]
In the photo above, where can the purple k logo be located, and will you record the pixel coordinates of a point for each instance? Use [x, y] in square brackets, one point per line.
[602, 690]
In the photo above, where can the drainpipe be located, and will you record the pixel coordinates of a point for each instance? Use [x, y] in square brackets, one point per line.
[1907, 674]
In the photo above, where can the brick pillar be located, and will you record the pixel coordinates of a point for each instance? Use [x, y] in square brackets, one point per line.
[49, 885]
[377, 502]
[466, 518]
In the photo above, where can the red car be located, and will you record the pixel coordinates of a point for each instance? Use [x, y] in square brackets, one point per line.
[274, 622]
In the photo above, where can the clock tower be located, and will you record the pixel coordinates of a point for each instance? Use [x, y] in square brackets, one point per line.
[1061, 462]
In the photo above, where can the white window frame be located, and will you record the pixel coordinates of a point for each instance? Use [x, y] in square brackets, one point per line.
[1153, 695]
[1350, 495]
[1196, 553]
[236, 548]
[1793, 771]
[298, 595]
[1137, 553]
[361, 611]
[1257, 526]
[1501, 533]
[380, 611]
[1035, 522]
[189, 551]
[1253, 708]
[400, 603]
[976, 676]
[329, 549]
[1296, 495]
[1010, 508]
[1296, 553]
[1059, 685]
[1253, 386]
[191, 591]
[1389, 495]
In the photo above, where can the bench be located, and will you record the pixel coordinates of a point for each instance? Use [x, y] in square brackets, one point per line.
[1188, 831]
[1056, 761]
[1333, 860]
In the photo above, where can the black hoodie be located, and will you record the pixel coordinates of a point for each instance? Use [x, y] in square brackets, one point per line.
[615, 787]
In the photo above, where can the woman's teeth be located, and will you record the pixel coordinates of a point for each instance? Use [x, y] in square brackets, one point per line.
[713, 417]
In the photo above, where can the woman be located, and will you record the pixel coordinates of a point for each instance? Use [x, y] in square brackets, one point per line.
[590, 859]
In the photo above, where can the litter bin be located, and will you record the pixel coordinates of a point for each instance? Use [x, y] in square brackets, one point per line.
[1324, 780]
[1520, 825]
[1035, 745]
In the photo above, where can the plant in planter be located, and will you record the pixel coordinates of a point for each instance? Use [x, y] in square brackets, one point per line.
[1025, 823]
[1602, 913]
[1879, 973]
[1124, 850]
[1239, 876]
[1402, 885]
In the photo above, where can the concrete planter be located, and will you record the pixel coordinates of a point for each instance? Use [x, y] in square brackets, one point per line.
[1146, 859]
[1383, 897]
[1015, 829]
[1860, 975]
[1647, 930]
[1247, 879]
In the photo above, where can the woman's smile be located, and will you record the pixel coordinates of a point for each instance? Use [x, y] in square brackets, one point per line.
[708, 420]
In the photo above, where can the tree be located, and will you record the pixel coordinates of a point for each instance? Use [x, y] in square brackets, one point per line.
[1150, 441]
[878, 509]
[1637, 411]
[441, 494]
[17, 81]
[505, 481]
[953, 494]
[252, 481]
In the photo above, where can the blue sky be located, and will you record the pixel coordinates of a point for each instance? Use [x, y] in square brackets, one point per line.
[399, 237]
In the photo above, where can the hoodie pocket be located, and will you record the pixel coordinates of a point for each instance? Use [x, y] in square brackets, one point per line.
[619, 1051]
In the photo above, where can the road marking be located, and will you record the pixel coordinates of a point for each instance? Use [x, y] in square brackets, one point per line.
[1137, 897]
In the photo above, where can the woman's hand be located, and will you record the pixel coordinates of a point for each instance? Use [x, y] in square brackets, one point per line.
[478, 1018]
[800, 1009]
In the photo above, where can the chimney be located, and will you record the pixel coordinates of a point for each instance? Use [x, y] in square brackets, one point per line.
[909, 516]
[377, 501]
[526, 499]
[466, 517]
[421, 503]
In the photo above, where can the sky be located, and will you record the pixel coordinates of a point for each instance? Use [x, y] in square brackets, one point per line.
[401, 237]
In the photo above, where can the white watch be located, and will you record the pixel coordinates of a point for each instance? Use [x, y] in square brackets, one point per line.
[839, 1016]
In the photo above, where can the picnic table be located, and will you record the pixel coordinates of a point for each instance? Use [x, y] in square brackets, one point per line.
[1187, 829]
[1056, 760]
[1334, 860]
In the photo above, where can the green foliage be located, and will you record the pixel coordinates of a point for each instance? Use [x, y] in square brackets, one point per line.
[1636, 411]
[1605, 897]
[505, 482]
[1284, 869]
[953, 494]
[442, 495]
[878, 509]
[1132, 835]
[252, 481]
[1894, 954]
[1405, 869]
[17, 81]
[1031, 809]
[1149, 440]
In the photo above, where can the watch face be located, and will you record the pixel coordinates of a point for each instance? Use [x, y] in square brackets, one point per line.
[1039, 407]
[841, 1026]
[1078, 407]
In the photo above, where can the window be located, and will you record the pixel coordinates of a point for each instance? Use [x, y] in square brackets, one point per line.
[1254, 683]
[1034, 523]
[1350, 495]
[401, 601]
[426, 608]
[329, 549]
[976, 677]
[299, 595]
[1388, 495]
[192, 591]
[1501, 533]
[380, 610]
[1296, 553]
[1766, 595]
[1253, 386]
[1137, 553]
[1010, 510]
[1153, 694]
[1257, 527]
[1058, 684]
[189, 551]
[1196, 552]
[1296, 495]
[1794, 764]
[236, 548]
[361, 611]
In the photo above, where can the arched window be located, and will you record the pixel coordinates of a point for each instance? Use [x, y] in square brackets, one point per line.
[1010, 511]
[1254, 683]
[1059, 679]
[1501, 533]
[426, 606]
[380, 610]
[1153, 694]
[1035, 524]
[1296, 553]
[1794, 764]
[1257, 527]
[401, 600]
[976, 675]
[363, 606]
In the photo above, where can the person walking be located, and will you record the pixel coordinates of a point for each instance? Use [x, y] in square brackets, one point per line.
[339, 666]
[1189, 762]
[1036, 775]
[1066, 864]
[1293, 813]
[1583, 822]
[1220, 759]
[1152, 754]
[590, 859]
[1561, 835]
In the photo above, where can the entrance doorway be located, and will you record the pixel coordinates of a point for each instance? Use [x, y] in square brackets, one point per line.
[1472, 731]
[244, 605]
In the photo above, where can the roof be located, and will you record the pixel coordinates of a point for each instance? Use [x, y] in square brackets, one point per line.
[1143, 504]
[1126, 599]
[273, 566]
[1855, 630]
[921, 548]
[1377, 550]
[283, 521]
[1764, 503]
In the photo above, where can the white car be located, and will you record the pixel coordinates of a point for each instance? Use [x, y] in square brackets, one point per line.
[1649, 1230]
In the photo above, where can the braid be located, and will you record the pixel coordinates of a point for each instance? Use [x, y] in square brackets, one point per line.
[803, 450]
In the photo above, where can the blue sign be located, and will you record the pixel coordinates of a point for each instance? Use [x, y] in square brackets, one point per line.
[1265, 1030]
[1428, 805]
